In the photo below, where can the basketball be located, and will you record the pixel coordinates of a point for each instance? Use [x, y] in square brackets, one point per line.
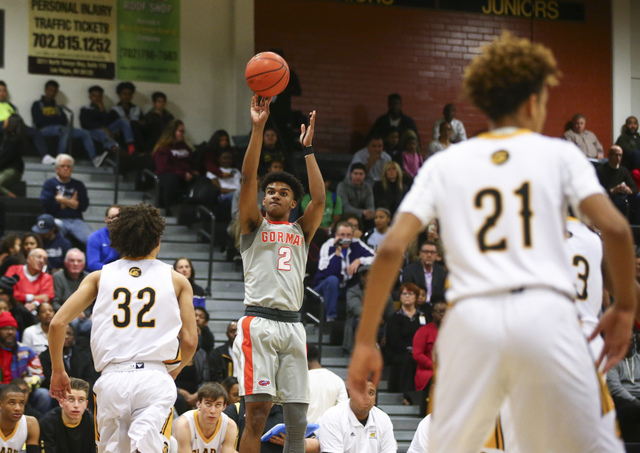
[267, 74]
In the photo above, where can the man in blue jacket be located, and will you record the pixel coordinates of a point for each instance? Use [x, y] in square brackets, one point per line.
[99, 251]
[339, 260]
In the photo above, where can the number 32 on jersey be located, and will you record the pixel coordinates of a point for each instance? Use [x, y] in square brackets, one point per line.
[147, 295]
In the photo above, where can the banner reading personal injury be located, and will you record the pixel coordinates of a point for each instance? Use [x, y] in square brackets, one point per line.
[149, 40]
[72, 38]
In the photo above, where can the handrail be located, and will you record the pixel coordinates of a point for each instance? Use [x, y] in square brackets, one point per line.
[317, 320]
[211, 236]
[156, 185]
[116, 175]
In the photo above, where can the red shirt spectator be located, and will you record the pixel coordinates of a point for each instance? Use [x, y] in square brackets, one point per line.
[33, 285]
[423, 342]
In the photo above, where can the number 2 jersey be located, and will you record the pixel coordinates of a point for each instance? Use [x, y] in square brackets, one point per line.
[501, 201]
[275, 259]
[136, 316]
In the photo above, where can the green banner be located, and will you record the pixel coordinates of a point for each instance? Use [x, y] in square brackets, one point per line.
[149, 40]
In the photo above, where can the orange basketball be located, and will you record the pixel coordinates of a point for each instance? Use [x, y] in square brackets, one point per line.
[267, 74]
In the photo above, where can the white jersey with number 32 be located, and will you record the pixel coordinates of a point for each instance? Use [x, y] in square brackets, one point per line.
[508, 192]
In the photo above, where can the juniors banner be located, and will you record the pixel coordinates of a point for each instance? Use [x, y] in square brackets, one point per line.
[149, 40]
[72, 38]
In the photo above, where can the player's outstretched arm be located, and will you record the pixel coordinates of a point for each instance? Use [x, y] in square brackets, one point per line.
[249, 215]
[182, 433]
[75, 304]
[312, 217]
[617, 321]
[366, 361]
[189, 332]
[230, 437]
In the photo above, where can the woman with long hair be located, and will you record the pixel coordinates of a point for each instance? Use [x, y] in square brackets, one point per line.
[11, 163]
[389, 191]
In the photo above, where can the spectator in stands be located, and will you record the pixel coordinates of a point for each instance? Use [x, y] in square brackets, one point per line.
[95, 118]
[340, 258]
[222, 360]
[373, 157]
[7, 109]
[426, 273]
[449, 115]
[11, 163]
[423, 342]
[9, 250]
[34, 285]
[619, 184]
[66, 282]
[356, 425]
[629, 141]
[390, 190]
[205, 336]
[130, 112]
[374, 237]
[332, 209]
[586, 140]
[411, 157]
[30, 241]
[229, 184]
[184, 266]
[69, 428]
[355, 222]
[443, 141]
[356, 195]
[401, 328]
[55, 244]
[99, 251]
[326, 388]
[35, 336]
[232, 387]
[28, 408]
[23, 317]
[173, 164]
[208, 153]
[271, 151]
[623, 381]
[51, 120]
[65, 198]
[392, 142]
[157, 118]
[393, 118]
[19, 361]
[190, 379]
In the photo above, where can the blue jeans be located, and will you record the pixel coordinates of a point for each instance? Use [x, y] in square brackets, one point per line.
[76, 228]
[121, 125]
[330, 290]
[62, 132]
[41, 401]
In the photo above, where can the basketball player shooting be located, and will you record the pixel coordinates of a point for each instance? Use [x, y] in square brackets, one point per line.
[271, 341]
[143, 323]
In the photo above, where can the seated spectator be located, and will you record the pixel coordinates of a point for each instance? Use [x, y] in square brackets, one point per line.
[411, 157]
[390, 190]
[173, 164]
[229, 184]
[222, 360]
[65, 198]
[22, 432]
[394, 118]
[28, 408]
[157, 118]
[99, 251]
[449, 116]
[11, 163]
[51, 120]
[70, 428]
[10, 246]
[401, 328]
[339, 260]
[232, 387]
[620, 186]
[623, 381]
[66, 282]
[208, 153]
[356, 195]
[426, 273]
[34, 285]
[54, 243]
[392, 141]
[586, 140]
[355, 222]
[373, 157]
[271, 151]
[35, 336]
[190, 379]
[374, 237]
[443, 141]
[326, 389]
[348, 427]
[185, 267]
[23, 317]
[128, 111]
[332, 208]
[205, 336]
[95, 119]
[629, 141]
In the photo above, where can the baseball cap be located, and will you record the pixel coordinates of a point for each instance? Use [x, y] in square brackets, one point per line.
[44, 224]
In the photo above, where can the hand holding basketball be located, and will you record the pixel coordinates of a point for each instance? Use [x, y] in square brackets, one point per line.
[259, 109]
[267, 74]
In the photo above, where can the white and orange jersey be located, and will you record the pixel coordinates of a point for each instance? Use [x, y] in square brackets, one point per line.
[508, 191]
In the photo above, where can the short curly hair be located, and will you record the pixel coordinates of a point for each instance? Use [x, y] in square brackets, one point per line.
[508, 71]
[288, 179]
[137, 230]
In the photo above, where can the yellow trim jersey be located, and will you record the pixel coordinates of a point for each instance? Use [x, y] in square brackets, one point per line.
[14, 442]
[201, 444]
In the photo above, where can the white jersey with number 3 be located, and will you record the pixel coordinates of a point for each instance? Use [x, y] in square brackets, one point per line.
[201, 444]
[500, 199]
[136, 316]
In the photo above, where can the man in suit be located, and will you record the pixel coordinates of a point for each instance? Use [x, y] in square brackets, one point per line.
[425, 272]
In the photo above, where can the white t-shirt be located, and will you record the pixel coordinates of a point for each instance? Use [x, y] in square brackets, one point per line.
[501, 201]
[341, 432]
[326, 389]
[35, 338]
[232, 183]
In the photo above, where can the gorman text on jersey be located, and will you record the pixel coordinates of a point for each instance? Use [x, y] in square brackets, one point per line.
[280, 236]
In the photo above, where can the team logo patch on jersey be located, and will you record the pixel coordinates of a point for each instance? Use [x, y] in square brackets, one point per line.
[500, 157]
[135, 272]
[264, 382]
